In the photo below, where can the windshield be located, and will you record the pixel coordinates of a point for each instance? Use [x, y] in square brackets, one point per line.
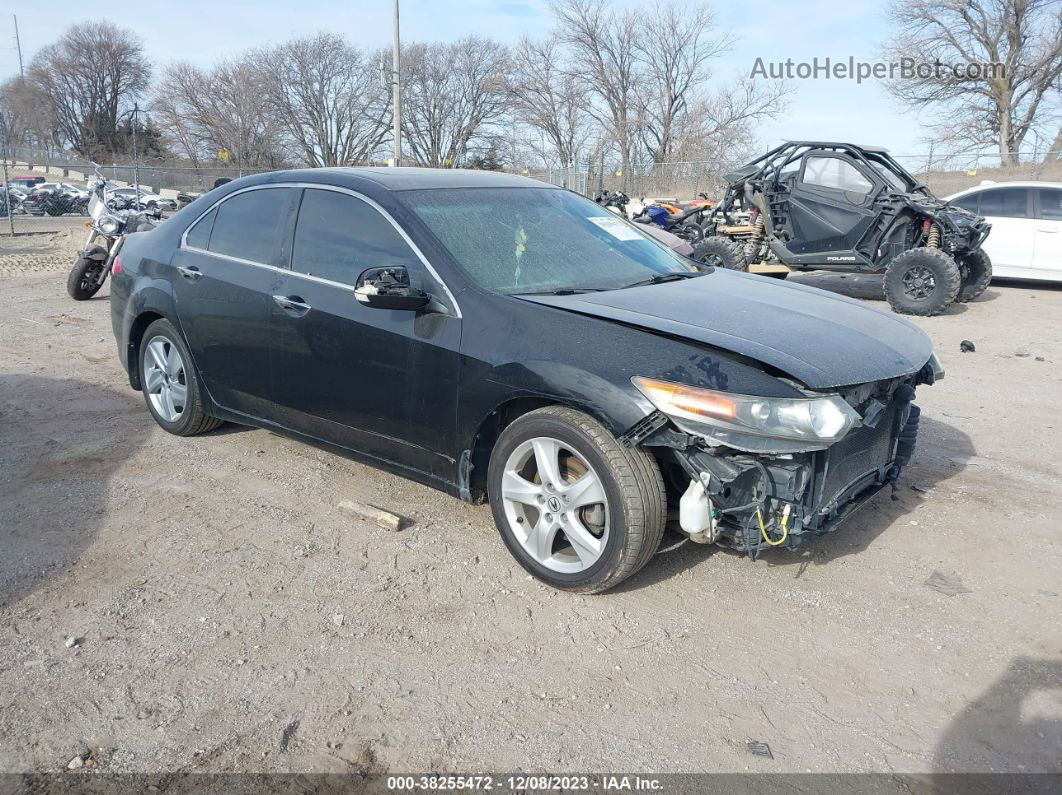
[96, 208]
[535, 240]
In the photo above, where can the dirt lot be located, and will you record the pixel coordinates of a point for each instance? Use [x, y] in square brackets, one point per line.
[226, 617]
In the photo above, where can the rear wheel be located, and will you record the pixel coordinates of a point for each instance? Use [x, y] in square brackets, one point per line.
[721, 252]
[976, 271]
[922, 281]
[575, 507]
[84, 279]
[169, 382]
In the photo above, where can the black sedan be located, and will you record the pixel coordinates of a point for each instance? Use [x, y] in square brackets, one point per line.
[504, 340]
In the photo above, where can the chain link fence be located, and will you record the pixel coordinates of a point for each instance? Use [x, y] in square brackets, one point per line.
[66, 176]
[174, 183]
[944, 172]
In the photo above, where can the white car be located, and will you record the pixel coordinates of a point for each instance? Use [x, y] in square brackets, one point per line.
[1026, 217]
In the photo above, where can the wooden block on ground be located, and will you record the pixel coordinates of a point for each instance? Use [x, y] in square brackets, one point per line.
[385, 519]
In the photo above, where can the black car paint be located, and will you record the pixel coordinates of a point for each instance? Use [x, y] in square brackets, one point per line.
[437, 382]
[798, 328]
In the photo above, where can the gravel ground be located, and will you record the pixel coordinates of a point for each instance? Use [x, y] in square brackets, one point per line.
[199, 604]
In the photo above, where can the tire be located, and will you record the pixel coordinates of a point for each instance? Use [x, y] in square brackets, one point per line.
[192, 418]
[83, 281]
[689, 231]
[976, 271]
[631, 516]
[721, 252]
[922, 281]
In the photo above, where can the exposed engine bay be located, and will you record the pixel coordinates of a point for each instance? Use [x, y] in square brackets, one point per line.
[752, 501]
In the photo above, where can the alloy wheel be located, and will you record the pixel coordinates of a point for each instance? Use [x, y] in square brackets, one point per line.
[555, 505]
[919, 282]
[165, 380]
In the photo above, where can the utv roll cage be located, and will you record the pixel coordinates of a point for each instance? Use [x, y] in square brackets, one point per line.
[769, 166]
[840, 206]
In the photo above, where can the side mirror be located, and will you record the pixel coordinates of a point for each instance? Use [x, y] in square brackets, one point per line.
[388, 288]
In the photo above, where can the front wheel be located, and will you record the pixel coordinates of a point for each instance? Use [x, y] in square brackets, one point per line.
[575, 507]
[721, 252]
[84, 279]
[922, 281]
[976, 270]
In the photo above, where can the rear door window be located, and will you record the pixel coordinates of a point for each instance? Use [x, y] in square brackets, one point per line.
[1005, 202]
[249, 224]
[1050, 204]
[338, 237]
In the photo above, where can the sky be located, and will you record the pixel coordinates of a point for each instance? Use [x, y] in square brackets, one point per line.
[774, 30]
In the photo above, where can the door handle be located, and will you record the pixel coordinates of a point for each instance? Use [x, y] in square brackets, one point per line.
[1049, 231]
[293, 305]
[192, 274]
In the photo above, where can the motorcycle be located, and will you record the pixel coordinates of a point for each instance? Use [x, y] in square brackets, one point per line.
[53, 202]
[11, 196]
[615, 200]
[687, 224]
[95, 261]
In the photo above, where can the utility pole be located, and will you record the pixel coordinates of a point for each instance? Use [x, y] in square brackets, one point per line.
[18, 46]
[136, 157]
[7, 185]
[396, 91]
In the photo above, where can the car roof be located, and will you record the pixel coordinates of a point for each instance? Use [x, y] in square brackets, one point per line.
[407, 178]
[1027, 183]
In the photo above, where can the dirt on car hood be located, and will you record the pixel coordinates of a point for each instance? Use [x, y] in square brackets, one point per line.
[819, 338]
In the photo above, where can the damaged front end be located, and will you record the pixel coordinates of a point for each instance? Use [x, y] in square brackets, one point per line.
[805, 467]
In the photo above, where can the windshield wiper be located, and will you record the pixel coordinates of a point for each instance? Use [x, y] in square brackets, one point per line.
[660, 278]
[564, 291]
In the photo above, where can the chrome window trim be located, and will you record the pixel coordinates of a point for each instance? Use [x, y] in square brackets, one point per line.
[335, 189]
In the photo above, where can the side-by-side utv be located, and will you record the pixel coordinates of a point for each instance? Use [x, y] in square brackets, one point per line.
[836, 206]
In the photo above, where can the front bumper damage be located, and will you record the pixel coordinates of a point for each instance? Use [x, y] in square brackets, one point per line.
[752, 502]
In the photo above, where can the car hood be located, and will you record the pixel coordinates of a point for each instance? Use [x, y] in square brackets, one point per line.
[821, 339]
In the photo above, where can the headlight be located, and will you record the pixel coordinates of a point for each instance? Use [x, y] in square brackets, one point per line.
[108, 225]
[747, 422]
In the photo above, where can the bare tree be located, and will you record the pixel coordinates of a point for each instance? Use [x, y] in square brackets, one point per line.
[452, 93]
[549, 100]
[175, 110]
[721, 125]
[602, 58]
[328, 97]
[1024, 36]
[644, 75]
[1054, 151]
[221, 113]
[674, 50]
[25, 116]
[89, 78]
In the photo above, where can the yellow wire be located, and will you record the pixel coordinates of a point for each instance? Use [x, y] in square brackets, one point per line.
[767, 538]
